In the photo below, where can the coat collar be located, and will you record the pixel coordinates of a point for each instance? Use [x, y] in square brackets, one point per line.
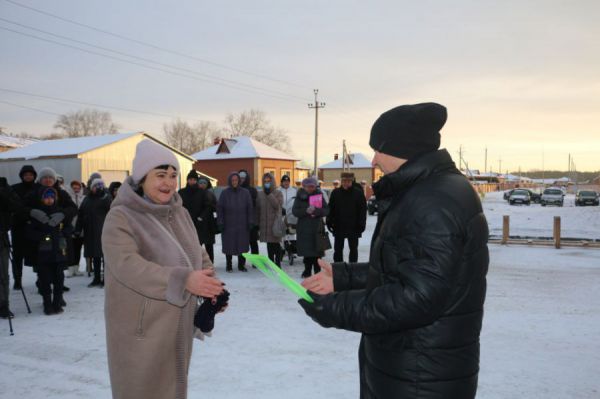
[412, 172]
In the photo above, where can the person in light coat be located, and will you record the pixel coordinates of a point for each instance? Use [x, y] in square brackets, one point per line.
[155, 271]
[268, 209]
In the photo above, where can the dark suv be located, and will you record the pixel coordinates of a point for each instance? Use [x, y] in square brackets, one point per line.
[586, 197]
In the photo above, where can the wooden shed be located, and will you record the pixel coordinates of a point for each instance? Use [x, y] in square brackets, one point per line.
[77, 158]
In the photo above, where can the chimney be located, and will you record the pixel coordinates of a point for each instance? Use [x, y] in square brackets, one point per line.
[335, 157]
[216, 141]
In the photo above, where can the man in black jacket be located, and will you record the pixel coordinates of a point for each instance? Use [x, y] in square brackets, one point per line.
[20, 245]
[419, 300]
[10, 205]
[347, 217]
[246, 182]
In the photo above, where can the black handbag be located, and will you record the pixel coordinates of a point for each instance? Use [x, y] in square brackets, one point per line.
[323, 241]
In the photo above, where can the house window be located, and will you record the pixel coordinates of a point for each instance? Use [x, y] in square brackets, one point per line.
[286, 172]
[271, 171]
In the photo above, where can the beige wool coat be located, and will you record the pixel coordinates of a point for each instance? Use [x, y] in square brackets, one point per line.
[268, 207]
[149, 252]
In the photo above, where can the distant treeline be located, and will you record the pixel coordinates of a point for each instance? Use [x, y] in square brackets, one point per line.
[551, 174]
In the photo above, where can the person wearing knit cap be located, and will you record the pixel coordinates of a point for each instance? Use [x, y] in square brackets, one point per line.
[310, 206]
[20, 245]
[90, 222]
[156, 270]
[47, 176]
[421, 294]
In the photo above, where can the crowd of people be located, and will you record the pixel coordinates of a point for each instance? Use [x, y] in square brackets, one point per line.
[50, 224]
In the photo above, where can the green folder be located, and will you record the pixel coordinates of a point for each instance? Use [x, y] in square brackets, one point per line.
[271, 270]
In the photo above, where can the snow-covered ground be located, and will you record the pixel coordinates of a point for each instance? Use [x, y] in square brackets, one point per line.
[539, 340]
[537, 221]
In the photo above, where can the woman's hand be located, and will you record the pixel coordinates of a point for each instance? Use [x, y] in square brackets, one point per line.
[322, 282]
[202, 283]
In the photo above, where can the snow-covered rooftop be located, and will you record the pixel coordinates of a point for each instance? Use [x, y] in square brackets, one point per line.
[241, 147]
[14, 142]
[63, 147]
[357, 161]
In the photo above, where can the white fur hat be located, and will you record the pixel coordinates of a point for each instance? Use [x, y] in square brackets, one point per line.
[149, 155]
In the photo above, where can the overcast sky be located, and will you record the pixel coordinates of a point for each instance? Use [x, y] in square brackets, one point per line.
[518, 77]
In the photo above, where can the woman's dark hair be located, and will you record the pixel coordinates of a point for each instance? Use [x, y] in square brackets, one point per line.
[139, 190]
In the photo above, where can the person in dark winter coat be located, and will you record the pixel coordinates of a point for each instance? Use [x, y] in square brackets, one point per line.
[194, 200]
[246, 182]
[49, 230]
[347, 217]
[113, 188]
[235, 218]
[20, 245]
[10, 205]
[269, 203]
[90, 222]
[419, 300]
[66, 211]
[310, 225]
[207, 223]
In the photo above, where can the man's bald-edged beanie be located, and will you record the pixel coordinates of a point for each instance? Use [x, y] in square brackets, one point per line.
[408, 131]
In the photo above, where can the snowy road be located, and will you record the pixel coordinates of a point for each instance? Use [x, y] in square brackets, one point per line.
[540, 338]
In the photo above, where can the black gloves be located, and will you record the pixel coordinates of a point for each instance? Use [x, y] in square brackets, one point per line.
[316, 310]
[205, 316]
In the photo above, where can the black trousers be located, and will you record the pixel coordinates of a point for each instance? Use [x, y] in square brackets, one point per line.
[51, 278]
[77, 245]
[18, 257]
[274, 252]
[241, 260]
[338, 249]
[97, 264]
[310, 262]
[210, 250]
[254, 241]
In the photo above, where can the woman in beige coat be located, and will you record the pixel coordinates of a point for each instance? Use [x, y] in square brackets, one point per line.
[268, 208]
[155, 270]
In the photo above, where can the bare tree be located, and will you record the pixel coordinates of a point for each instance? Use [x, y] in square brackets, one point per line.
[190, 139]
[254, 123]
[86, 122]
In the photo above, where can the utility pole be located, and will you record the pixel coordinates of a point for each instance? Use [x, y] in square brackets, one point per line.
[316, 107]
[485, 167]
[500, 166]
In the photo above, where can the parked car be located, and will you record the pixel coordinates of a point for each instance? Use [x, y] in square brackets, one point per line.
[552, 196]
[587, 197]
[519, 196]
[535, 197]
[372, 205]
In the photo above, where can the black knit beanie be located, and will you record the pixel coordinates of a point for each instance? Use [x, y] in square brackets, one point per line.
[408, 131]
[192, 175]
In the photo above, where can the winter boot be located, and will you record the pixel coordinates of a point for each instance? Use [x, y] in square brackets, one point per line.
[228, 268]
[242, 264]
[48, 308]
[57, 301]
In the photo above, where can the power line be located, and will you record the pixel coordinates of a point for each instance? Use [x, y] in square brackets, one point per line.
[150, 45]
[29, 108]
[207, 77]
[92, 104]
